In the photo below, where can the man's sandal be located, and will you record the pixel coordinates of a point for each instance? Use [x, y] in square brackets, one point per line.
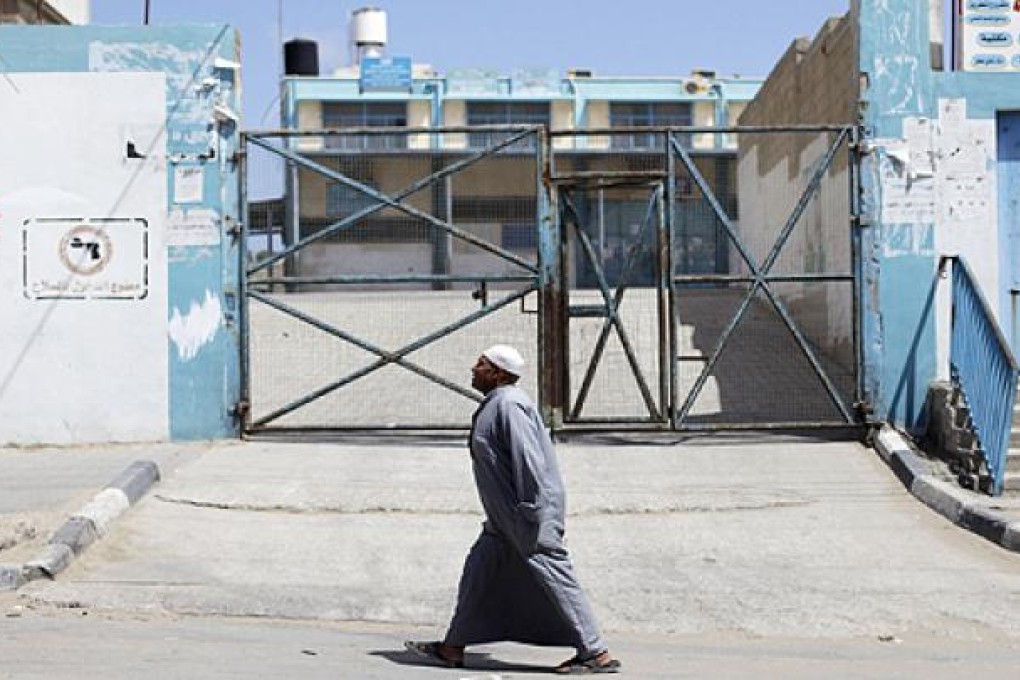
[588, 666]
[431, 651]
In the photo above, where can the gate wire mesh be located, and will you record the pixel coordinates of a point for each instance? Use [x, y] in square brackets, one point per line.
[732, 359]
[710, 346]
[787, 194]
[390, 280]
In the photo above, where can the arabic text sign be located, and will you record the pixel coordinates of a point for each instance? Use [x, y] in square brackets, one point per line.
[988, 35]
[85, 259]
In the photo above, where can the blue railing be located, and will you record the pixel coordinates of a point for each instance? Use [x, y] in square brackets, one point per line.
[982, 366]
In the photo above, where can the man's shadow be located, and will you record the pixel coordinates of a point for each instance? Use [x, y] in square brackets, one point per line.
[472, 662]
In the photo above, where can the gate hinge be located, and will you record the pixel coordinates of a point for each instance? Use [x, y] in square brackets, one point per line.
[863, 146]
[241, 409]
[864, 410]
[234, 227]
[861, 221]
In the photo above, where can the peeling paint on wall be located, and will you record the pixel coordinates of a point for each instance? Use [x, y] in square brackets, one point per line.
[197, 328]
[192, 93]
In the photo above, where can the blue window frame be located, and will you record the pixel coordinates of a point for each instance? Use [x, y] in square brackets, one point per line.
[505, 113]
[339, 115]
[519, 236]
[646, 114]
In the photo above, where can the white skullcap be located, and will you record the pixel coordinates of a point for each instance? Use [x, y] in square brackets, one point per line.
[506, 357]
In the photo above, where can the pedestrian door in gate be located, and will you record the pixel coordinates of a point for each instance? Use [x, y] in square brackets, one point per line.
[614, 336]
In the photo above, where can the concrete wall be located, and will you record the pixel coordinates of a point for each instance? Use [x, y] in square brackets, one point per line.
[118, 286]
[812, 84]
[928, 180]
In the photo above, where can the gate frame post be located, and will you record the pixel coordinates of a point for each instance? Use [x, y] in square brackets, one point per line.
[551, 297]
[242, 410]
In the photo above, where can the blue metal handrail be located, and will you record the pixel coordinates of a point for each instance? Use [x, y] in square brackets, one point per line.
[982, 365]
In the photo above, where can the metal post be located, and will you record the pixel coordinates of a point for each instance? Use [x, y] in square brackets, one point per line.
[441, 240]
[242, 410]
[552, 307]
[291, 219]
[670, 282]
[856, 263]
[663, 243]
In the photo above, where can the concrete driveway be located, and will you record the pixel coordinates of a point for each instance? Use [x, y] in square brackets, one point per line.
[777, 537]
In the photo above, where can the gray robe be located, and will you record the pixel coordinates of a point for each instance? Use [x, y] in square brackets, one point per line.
[518, 582]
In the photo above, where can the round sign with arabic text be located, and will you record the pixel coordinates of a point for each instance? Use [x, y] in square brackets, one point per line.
[86, 250]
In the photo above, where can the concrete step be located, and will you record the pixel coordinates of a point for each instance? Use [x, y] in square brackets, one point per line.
[1011, 482]
[1013, 460]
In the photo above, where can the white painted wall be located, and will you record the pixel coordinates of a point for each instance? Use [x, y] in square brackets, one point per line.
[562, 115]
[598, 117]
[703, 115]
[309, 115]
[419, 114]
[82, 370]
[455, 115]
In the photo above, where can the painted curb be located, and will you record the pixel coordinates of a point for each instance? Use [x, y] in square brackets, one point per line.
[87, 525]
[941, 496]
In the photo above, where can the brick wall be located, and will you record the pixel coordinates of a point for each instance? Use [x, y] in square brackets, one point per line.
[814, 82]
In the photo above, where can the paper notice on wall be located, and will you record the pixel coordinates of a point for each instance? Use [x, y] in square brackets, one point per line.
[952, 113]
[966, 200]
[962, 153]
[906, 201]
[188, 184]
[920, 135]
[192, 228]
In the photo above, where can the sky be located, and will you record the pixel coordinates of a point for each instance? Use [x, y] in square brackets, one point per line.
[612, 37]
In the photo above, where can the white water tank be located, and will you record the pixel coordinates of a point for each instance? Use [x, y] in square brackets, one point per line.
[368, 33]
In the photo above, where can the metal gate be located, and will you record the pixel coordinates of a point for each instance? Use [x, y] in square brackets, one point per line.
[398, 256]
[707, 290]
[651, 280]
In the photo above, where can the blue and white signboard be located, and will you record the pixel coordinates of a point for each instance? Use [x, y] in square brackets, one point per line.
[386, 74]
[988, 35]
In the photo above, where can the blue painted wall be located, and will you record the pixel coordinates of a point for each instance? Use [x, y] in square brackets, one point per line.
[899, 321]
[201, 67]
[1008, 160]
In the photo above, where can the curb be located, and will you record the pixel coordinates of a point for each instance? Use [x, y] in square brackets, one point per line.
[941, 496]
[85, 527]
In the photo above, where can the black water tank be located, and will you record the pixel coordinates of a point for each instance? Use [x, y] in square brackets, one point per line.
[301, 57]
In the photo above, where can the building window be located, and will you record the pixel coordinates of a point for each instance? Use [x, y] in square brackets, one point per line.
[519, 236]
[505, 113]
[338, 115]
[342, 200]
[647, 114]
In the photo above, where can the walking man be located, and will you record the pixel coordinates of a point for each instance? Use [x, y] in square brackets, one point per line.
[518, 582]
